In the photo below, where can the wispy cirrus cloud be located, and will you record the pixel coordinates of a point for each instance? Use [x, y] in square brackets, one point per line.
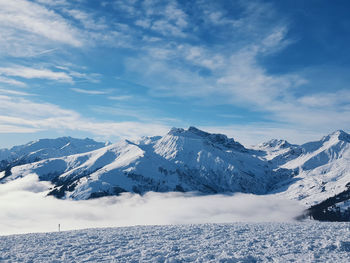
[11, 81]
[10, 75]
[338, 99]
[89, 92]
[32, 28]
[35, 73]
[165, 18]
[14, 92]
[120, 98]
[53, 2]
[87, 20]
[27, 27]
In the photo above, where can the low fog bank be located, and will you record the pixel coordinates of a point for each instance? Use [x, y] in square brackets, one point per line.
[25, 208]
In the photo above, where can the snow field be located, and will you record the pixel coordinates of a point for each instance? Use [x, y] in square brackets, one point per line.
[239, 242]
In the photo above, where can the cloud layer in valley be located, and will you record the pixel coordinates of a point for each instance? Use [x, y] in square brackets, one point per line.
[24, 208]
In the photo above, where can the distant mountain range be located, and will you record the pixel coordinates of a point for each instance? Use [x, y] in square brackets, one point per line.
[317, 174]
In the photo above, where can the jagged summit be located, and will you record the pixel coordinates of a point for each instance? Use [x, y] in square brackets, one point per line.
[215, 138]
[278, 151]
[275, 143]
[334, 140]
[339, 135]
[189, 132]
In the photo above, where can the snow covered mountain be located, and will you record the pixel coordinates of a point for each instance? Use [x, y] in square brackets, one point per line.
[194, 160]
[322, 175]
[322, 169]
[44, 149]
[277, 152]
[182, 160]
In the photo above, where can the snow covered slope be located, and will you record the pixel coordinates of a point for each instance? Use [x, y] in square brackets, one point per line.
[263, 242]
[278, 152]
[44, 149]
[182, 160]
[194, 160]
[322, 169]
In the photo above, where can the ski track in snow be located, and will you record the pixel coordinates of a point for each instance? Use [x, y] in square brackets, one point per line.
[239, 242]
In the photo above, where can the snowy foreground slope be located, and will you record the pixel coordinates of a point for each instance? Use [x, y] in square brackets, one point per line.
[260, 242]
[316, 174]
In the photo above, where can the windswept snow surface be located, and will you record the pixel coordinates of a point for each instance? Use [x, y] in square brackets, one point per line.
[240, 242]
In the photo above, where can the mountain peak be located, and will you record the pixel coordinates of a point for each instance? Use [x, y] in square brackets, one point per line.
[275, 143]
[342, 135]
[198, 131]
[190, 131]
[337, 135]
[216, 138]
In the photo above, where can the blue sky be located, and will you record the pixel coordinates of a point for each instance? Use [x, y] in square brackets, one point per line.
[254, 70]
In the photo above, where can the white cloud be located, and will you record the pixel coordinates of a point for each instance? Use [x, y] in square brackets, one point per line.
[31, 73]
[126, 6]
[6, 128]
[53, 2]
[90, 92]
[63, 74]
[165, 28]
[12, 81]
[18, 115]
[326, 99]
[34, 28]
[164, 18]
[322, 119]
[244, 80]
[275, 40]
[87, 20]
[173, 20]
[145, 23]
[120, 98]
[14, 92]
[44, 52]
[28, 110]
[176, 14]
[25, 209]
[27, 25]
